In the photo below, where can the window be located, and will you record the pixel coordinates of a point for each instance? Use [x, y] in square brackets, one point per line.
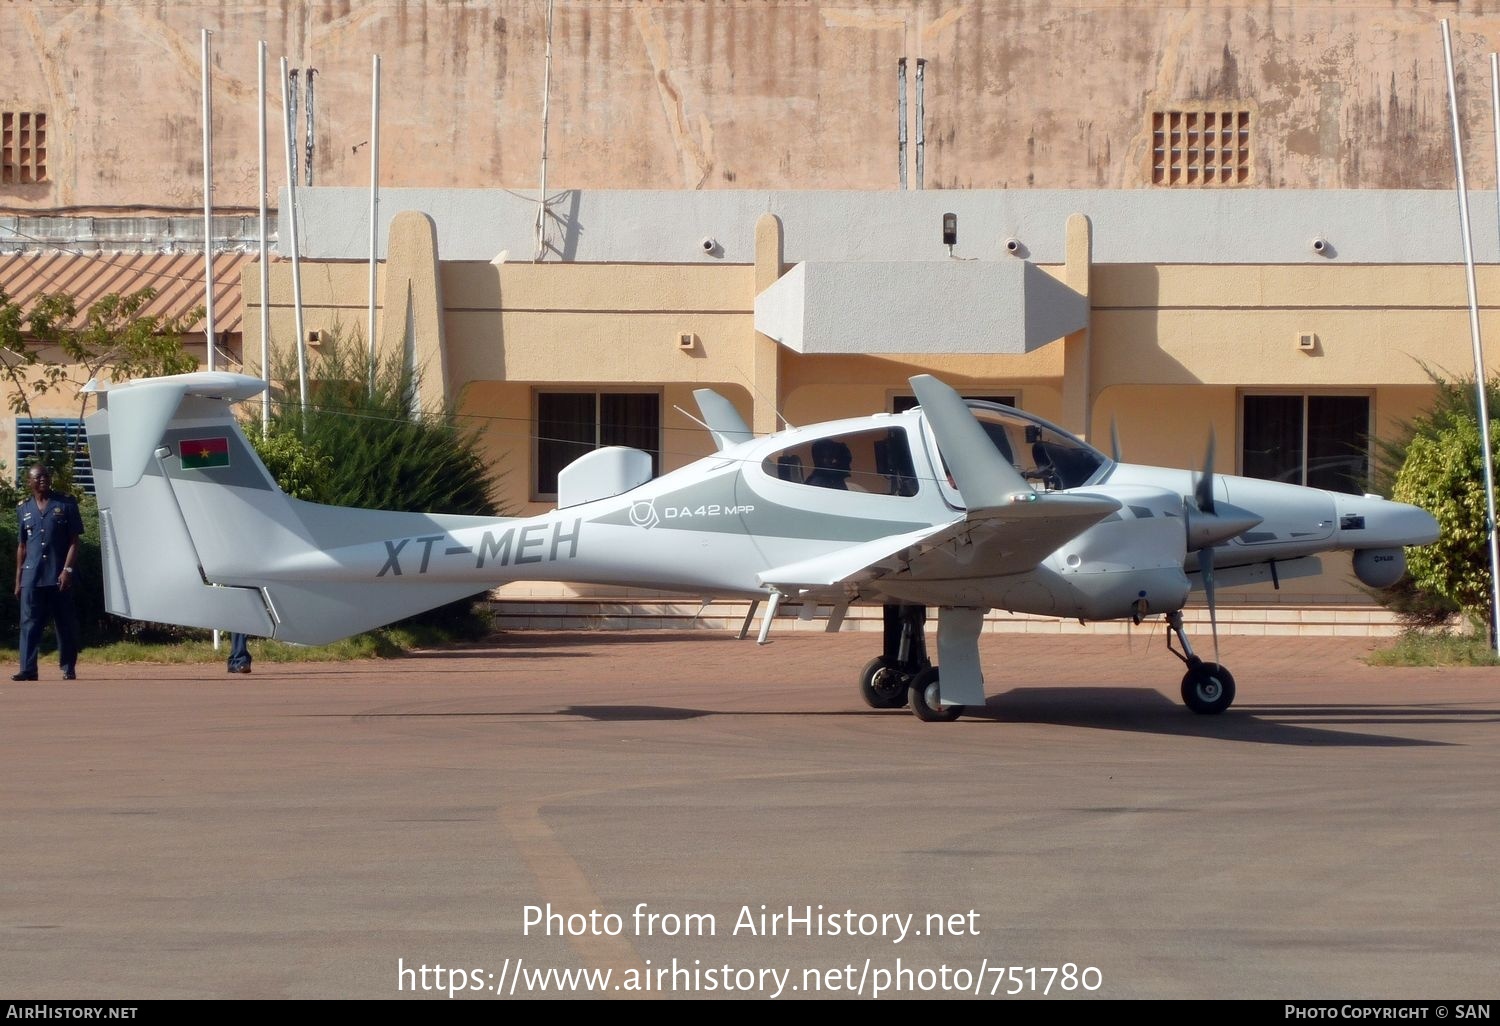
[44, 439]
[1322, 441]
[902, 403]
[1200, 147]
[874, 462]
[570, 424]
[23, 147]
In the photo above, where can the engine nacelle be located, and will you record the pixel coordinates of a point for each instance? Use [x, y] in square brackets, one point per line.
[1379, 568]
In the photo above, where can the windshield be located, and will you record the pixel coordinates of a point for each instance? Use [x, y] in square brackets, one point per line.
[1046, 455]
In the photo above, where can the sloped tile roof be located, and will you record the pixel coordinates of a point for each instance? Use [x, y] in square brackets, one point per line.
[177, 278]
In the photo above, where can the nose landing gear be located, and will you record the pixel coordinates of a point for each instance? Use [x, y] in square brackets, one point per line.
[1207, 688]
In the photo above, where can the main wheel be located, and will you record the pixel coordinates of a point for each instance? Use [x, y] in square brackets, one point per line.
[925, 697]
[882, 685]
[1207, 688]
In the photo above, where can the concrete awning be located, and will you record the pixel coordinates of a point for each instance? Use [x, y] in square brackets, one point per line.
[1006, 306]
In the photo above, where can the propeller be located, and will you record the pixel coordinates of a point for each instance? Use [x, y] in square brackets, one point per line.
[1114, 439]
[1203, 501]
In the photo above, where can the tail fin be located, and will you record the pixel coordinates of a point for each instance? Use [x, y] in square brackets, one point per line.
[193, 526]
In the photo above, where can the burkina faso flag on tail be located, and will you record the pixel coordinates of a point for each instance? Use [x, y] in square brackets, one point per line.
[204, 453]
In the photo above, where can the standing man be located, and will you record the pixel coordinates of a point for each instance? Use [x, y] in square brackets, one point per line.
[46, 551]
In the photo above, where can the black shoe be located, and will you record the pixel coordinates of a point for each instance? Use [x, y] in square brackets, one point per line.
[239, 669]
[23, 676]
[69, 675]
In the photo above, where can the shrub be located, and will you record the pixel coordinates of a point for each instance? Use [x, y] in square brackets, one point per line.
[1438, 464]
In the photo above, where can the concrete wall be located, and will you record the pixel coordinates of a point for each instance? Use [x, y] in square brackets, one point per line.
[733, 94]
[1145, 226]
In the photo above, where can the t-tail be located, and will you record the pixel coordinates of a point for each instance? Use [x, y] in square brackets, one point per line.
[194, 530]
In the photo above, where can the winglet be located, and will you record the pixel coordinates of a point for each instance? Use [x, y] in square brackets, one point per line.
[141, 410]
[985, 478]
[724, 421]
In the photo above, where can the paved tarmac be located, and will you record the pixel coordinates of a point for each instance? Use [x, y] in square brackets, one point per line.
[331, 830]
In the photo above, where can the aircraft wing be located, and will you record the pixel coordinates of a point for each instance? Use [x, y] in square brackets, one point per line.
[985, 543]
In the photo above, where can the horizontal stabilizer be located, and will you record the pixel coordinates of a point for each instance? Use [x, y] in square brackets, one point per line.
[196, 532]
[317, 613]
[143, 409]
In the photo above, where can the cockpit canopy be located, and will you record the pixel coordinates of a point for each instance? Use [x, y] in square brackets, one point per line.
[1042, 452]
[878, 460]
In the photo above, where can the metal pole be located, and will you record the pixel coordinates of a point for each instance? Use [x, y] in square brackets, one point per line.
[1463, 217]
[1481, 384]
[901, 113]
[308, 163]
[291, 109]
[541, 200]
[291, 220]
[208, 203]
[921, 123]
[265, 271]
[374, 198]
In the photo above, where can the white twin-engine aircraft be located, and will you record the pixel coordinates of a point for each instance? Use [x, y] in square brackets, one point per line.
[962, 505]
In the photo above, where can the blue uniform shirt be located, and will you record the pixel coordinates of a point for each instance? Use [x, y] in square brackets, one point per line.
[47, 535]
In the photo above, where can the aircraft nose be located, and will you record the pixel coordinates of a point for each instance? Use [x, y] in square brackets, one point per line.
[1371, 522]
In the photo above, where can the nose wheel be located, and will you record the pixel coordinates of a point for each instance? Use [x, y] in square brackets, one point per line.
[1207, 688]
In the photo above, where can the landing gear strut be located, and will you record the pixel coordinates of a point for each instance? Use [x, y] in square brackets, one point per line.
[1207, 688]
[886, 680]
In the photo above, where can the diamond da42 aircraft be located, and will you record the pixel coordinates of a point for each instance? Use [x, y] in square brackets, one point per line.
[961, 505]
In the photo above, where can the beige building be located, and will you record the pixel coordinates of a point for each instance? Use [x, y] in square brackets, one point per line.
[1293, 325]
[1172, 217]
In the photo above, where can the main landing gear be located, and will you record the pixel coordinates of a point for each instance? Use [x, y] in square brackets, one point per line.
[1207, 688]
[903, 674]
[887, 680]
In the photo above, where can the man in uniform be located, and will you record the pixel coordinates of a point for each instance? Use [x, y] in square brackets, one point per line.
[46, 551]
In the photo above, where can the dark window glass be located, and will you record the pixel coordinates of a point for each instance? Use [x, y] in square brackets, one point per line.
[1273, 437]
[872, 462]
[1338, 442]
[1320, 440]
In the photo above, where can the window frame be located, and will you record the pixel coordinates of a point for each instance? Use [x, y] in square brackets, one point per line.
[1306, 395]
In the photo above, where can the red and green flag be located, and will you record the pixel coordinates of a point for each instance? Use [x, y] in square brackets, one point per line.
[204, 453]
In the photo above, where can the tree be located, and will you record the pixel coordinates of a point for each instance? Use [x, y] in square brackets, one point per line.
[391, 455]
[1439, 466]
[52, 346]
[110, 339]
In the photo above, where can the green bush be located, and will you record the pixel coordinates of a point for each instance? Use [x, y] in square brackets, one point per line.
[1438, 464]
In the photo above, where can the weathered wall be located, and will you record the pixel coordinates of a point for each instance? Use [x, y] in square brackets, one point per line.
[715, 94]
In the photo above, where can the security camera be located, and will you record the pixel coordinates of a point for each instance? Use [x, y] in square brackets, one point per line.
[709, 243]
[1012, 245]
[1319, 244]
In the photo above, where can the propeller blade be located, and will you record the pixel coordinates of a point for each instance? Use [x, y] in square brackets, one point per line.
[1114, 439]
[1203, 487]
[1206, 566]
